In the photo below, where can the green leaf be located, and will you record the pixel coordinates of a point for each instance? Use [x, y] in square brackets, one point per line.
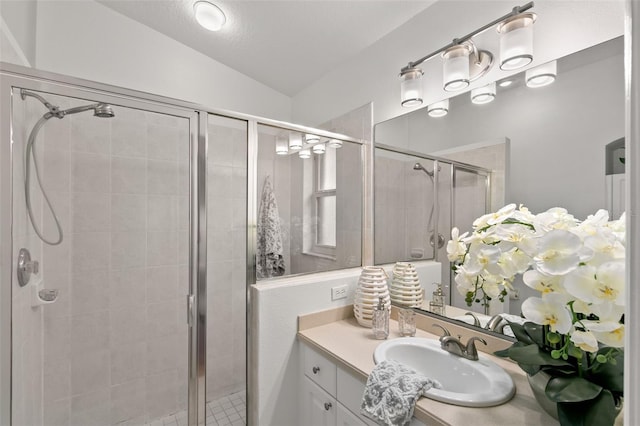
[535, 332]
[530, 369]
[609, 376]
[596, 412]
[533, 355]
[571, 389]
[520, 333]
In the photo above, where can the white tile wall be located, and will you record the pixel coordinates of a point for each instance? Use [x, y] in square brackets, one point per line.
[113, 348]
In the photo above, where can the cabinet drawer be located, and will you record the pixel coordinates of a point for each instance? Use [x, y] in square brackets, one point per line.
[350, 390]
[320, 370]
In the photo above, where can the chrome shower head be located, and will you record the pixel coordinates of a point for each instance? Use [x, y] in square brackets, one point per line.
[418, 166]
[103, 111]
[99, 109]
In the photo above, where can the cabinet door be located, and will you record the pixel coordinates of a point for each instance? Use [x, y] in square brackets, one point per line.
[347, 418]
[318, 407]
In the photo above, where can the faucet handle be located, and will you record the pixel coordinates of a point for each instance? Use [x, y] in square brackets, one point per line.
[472, 352]
[446, 332]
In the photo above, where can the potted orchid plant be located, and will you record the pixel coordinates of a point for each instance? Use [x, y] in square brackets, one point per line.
[572, 340]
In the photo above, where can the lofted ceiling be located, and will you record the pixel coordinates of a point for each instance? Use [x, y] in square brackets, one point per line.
[286, 45]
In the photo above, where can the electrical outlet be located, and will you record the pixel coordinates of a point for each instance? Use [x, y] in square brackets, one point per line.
[339, 292]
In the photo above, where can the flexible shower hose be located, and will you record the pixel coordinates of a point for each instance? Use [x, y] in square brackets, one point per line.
[31, 153]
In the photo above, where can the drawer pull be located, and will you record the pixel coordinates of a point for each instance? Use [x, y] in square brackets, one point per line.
[316, 370]
[327, 406]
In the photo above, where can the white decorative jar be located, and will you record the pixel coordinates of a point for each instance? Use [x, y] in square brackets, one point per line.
[405, 288]
[372, 285]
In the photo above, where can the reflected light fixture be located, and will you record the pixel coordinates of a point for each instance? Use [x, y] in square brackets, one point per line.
[505, 83]
[411, 87]
[542, 75]
[305, 153]
[209, 15]
[455, 67]
[282, 146]
[463, 62]
[334, 143]
[516, 41]
[319, 148]
[438, 109]
[311, 138]
[484, 94]
[295, 141]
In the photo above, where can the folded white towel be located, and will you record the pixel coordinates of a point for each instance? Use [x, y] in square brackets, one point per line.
[392, 391]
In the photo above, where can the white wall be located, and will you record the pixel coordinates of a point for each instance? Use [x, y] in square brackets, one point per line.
[373, 74]
[88, 40]
[19, 31]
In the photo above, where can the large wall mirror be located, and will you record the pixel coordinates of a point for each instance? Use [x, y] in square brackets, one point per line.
[309, 200]
[559, 145]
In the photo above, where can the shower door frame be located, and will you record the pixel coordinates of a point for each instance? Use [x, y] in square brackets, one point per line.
[12, 77]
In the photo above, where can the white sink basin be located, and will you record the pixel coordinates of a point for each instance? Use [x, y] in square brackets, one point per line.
[468, 383]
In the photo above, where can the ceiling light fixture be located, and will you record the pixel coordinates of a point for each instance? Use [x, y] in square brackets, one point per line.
[334, 143]
[311, 138]
[438, 109]
[319, 148]
[542, 75]
[295, 141]
[516, 41]
[209, 15]
[282, 146]
[484, 94]
[411, 87]
[304, 154]
[476, 61]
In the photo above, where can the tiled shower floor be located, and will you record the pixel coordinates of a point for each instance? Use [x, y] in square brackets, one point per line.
[229, 410]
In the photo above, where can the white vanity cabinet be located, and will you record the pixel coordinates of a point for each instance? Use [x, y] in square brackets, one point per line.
[330, 395]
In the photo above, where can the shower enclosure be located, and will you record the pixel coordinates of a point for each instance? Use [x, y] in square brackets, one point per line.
[138, 216]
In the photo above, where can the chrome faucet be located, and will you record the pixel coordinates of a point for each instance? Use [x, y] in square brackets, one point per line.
[496, 323]
[454, 346]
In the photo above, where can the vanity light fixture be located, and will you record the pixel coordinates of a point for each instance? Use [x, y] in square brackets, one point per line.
[411, 87]
[209, 15]
[282, 146]
[505, 83]
[542, 75]
[484, 94]
[463, 62]
[516, 41]
[304, 154]
[295, 141]
[438, 109]
[310, 139]
[319, 148]
[334, 143]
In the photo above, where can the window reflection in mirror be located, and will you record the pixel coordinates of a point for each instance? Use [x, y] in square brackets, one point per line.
[309, 191]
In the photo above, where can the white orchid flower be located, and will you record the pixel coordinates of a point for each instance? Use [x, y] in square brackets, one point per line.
[523, 215]
[551, 311]
[465, 281]
[492, 285]
[558, 252]
[598, 285]
[501, 215]
[585, 340]
[605, 247]
[543, 283]
[513, 262]
[593, 223]
[613, 337]
[554, 218]
[619, 227]
[516, 235]
[483, 257]
[456, 249]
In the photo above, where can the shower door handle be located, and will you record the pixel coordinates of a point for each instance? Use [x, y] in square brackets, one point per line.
[190, 312]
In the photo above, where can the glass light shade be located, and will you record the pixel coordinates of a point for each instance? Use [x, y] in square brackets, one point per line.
[505, 83]
[305, 153]
[455, 68]
[209, 15]
[484, 94]
[319, 148]
[334, 143]
[311, 138]
[282, 146]
[541, 75]
[295, 141]
[516, 41]
[438, 109]
[411, 87]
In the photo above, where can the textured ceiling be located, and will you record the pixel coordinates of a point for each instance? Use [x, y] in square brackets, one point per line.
[287, 45]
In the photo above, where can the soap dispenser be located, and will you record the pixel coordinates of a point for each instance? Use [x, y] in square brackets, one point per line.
[437, 300]
[380, 322]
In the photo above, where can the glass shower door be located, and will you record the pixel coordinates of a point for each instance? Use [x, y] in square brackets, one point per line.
[111, 346]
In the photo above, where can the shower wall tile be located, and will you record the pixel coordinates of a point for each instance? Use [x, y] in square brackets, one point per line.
[89, 251]
[161, 393]
[162, 248]
[162, 142]
[91, 409]
[162, 213]
[128, 362]
[90, 136]
[90, 172]
[56, 170]
[58, 412]
[89, 292]
[127, 401]
[128, 175]
[162, 177]
[161, 319]
[128, 325]
[128, 212]
[89, 332]
[162, 354]
[127, 287]
[129, 138]
[162, 283]
[128, 249]
[89, 372]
